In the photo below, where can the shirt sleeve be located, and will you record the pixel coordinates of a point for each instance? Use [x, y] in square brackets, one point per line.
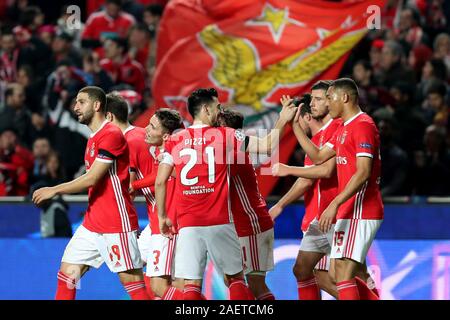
[365, 140]
[111, 146]
[166, 156]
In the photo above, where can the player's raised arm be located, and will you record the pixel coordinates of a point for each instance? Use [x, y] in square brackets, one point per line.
[316, 154]
[268, 143]
[84, 182]
[324, 170]
[296, 191]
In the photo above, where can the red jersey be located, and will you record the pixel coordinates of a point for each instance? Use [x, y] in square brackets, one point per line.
[249, 208]
[110, 209]
[100, 22]
[358, 137]
[201, 156]
[127, 71]
[327, 189]
[141, 161]
[310, 197]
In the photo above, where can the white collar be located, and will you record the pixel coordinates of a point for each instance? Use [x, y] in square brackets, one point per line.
[326, 125]
[353, 118]
[129, 129]
[196, 126]
[101, 127]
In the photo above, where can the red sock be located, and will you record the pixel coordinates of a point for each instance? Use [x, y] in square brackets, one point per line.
[250, 294]
[148, 288]
[266, 296]
[204, 298]
[172, 293]
[137, 290]
[364, 292]
[308, 289]
[192, 292]
[347, 290]
[238, 290]
[66, 289]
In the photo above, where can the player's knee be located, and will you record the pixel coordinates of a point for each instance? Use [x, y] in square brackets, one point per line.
[301, 272]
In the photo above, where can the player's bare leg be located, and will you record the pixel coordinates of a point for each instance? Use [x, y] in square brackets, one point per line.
[308, 288]
[348, 286]
[257, 283]
[163, 287]
[68, 277]
[133, 281]
[326, 283]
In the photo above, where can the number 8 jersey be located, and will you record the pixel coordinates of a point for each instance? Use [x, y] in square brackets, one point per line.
[202, 156]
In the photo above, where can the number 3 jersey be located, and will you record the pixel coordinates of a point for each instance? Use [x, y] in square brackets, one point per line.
[358, 137]
[110, 209]
[202, 156]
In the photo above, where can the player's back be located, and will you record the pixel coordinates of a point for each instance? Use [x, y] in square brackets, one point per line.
[248, 206]
[200, 155]
[110, 209]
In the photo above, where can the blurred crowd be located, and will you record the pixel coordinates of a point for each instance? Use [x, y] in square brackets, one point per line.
[403, 74]
[402, 71]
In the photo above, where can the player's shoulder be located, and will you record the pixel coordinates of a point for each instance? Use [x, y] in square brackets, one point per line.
[110, 131]
[364, 120]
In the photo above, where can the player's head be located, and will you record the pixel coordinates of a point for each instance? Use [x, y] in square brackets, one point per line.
[230, 118]
[90, 100]
[203, 104]
[116, 109]
[341, 92]
[319, 102]
[306, 117]
[161, 125]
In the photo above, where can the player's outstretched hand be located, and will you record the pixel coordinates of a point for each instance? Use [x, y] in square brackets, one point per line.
[166, 228]
[279, 170]
[43, 194]
[326, 220]
[275, 211]
[288, 111]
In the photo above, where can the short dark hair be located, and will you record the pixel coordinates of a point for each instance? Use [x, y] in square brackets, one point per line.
[199, 97]
[170, 119]
[117, 106]
[232, 118]
[321, 85]
[365, 64]
[306, 104]
[120, 42]
[439, 69]
[155, 9]
[28, 15]
[116, 2]
[437, 87]
[347, 85]
[95, 94]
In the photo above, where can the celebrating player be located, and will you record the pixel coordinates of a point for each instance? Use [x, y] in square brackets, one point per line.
[312, 261]
[251, 217]
[156, 251]
[109, 230]
[358, 205]
[201, 156]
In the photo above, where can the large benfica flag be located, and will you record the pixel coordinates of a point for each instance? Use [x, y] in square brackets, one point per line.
[253, 52]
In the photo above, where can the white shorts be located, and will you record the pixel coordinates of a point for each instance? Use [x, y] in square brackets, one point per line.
[160, 261]
[323, 264]
[353, 237]
[315, 240]
[257, 251]
[119, 250]
[195, 244]
[144, 243]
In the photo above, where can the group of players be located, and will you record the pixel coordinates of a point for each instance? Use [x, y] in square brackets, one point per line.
[203, 199]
